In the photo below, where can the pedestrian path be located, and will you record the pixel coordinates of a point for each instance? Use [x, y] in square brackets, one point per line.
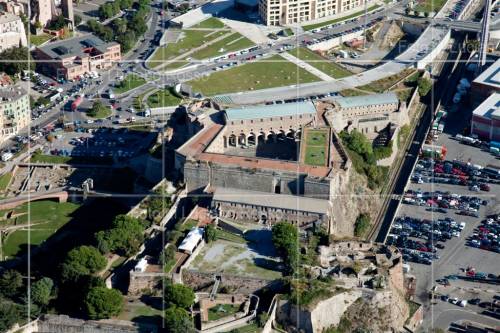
[307, 67]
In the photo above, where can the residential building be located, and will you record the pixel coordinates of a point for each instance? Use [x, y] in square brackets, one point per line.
[72, 58]
[12, 31]
[486, 119]
[16, 7]
[287, 12]
[14, 111]
[42, 11]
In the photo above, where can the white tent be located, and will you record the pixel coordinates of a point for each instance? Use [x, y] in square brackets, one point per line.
[192, 240]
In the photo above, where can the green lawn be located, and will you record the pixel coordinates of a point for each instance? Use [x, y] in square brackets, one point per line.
[340, 19]
[222, 310]
[222, 234]
[316, 137]
[5, 180]
[41, 158]
[271, 72]
[45, 217]
[315, 145]
[233, 42]
[140, 312]
[327, 66]
[192, 39]
[40, 39]
[103, 112]
[428, 6]
[250, 328]
[315, 155]
[210, 23]
[130, 82]
[162, 98]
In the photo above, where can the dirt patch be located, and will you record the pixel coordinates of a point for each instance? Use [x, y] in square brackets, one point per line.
[391, 37]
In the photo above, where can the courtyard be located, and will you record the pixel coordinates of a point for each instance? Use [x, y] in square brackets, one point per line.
[253, 257]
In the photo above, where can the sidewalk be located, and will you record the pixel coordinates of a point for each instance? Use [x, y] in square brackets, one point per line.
[307, 67]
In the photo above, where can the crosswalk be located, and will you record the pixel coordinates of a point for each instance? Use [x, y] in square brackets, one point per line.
[223, 99]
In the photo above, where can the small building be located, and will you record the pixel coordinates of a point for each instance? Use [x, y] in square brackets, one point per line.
[487, 83]
[192, 240]
[141, 266]
[72, 58]
[368, 114]
[246, 205]
[486, 119]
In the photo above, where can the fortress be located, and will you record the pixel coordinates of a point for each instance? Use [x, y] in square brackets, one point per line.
[277, 162]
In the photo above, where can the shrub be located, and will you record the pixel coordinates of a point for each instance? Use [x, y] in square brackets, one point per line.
[362, 225]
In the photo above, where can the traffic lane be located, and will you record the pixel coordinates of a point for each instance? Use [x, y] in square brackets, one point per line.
[445, 318]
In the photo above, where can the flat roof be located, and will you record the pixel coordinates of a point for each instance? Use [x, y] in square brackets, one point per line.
[272, 200]
[490, 108]
[268, 111]
[367, 100]
[75, 46]
[192, 239]
[491, 76]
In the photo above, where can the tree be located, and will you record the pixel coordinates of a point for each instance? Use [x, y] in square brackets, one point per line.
[11, 282]
[167, 255]
[424, 86]
[362, 225]
[125, 236]
[210, 233]
[101, 303]
[15, 60]
[81, 261]
[177, 320]
[78, 20]
[9, 315]
[41, 291]
[285, 240]
[58, 23]
[178, 295]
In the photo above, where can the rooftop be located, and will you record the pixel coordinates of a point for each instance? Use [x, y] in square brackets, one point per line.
[367, 100]
[12, 93]
[268, 111]
[265, 199]
[491, 76]
[75, 46]
[490, 108]
[192, 239]
[8, 17]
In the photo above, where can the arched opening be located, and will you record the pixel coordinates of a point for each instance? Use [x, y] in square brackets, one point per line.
[271, 137]
[242, 140]
[290, 135]
[251, 139]
[232, 140]
[281, 136]
[261, 138]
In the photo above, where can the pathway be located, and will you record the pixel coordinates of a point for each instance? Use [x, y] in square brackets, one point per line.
[307, 67]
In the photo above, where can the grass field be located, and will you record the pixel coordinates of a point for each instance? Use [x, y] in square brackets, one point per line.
[325, 65]
[40, 39]
[272, 72]
[103, 112]
[191, 40]
[45, 218]
[162, 98]
[340, 19]
[221, 311]
[210, 23]
[140, 312]
[250, 328]
[5, 180]
[233, 42]
[428, 6]
[130, 82]
[316, 147]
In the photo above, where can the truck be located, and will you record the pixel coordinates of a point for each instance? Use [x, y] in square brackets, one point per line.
[343, 54]
[7, 156]
[435, 152]
[76, 103]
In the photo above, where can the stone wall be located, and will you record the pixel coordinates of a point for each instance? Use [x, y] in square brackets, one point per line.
[241, 284]
[65, 324]
[198, 175]
[142, 280]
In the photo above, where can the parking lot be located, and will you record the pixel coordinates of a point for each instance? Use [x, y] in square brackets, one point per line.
[102, 142]
[437, 228]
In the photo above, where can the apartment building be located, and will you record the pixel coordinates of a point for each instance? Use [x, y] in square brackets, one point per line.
[71, 58]
[16, 7]
[288, 12]
[14, 111]
[12, 31]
